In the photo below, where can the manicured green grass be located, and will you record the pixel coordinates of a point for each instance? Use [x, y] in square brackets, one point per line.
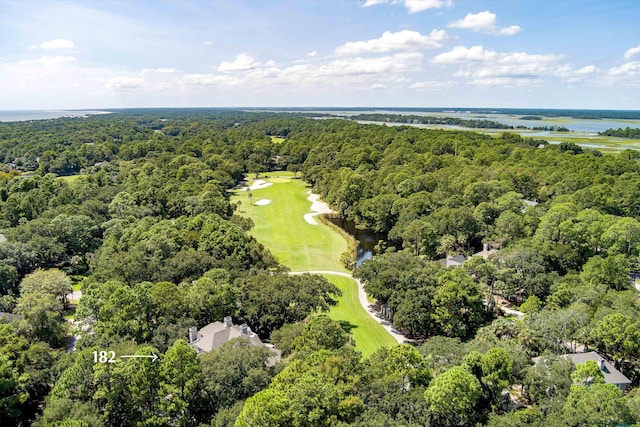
[368, 334]
[77, 287]
[275, 174]
[281, 227]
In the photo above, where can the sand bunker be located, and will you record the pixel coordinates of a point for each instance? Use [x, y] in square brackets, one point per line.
[317, 207]
[258, 184]
[263, 202]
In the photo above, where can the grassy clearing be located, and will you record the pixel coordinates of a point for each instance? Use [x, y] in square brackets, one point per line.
[277, 139]
[72, 178]
[281, 227]
[606, 144]
[77, 287]
[368, 334]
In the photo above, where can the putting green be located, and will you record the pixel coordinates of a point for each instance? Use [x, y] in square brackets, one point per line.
[281, 227]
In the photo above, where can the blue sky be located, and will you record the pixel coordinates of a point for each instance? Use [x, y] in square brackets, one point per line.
[398, 53]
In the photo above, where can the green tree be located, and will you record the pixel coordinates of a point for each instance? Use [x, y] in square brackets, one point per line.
[452, 397]
[181, 378]
[497, 372]
[42, 318]
[284, 337]
[531, 305]
[443, 352]
[587, 373]
[547, 383]
[12, 392]
[612, 271]
[79, 234]
[549, 228]
[632, 401]
[319, 390]
[210, 300]
[269, 301]
[617, 335]
[401, 365]
[8, 279]
[167, 300]
[62, 410]
[234, 372]
[321, 333]
[597, 405]
[53, 282]
[623, 237]
[458, 307]
[421, 237]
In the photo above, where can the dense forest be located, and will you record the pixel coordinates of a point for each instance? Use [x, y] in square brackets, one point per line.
[430, 120]
[133, 208]
[622, 133]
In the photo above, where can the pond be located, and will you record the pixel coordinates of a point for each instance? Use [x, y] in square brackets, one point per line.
[367, 239]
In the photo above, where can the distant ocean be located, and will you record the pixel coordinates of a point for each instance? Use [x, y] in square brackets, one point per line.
[25, 115]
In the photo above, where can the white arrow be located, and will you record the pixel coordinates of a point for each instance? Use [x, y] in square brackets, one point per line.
[153, 357]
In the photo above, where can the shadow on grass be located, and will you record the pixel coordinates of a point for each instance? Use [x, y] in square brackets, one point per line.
[347, 326]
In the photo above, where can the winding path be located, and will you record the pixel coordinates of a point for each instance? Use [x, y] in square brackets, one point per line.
[364, 302]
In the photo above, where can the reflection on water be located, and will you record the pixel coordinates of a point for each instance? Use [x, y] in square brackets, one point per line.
[367, 239]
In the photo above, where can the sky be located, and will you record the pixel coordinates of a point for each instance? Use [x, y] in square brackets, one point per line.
[334, 53]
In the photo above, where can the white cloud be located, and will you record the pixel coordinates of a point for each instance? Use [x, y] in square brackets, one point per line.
[312, 54]
[123, 84]
[58, 44]
[413, 6]
[462, 54]
[208, 79]
[525, 58]
[373, 2]
[356, 72]
[355, 66]
[242, 62]
[48, 61]
[503, 81]
[627, 69]
[430, 85]
[161, 70]
[402, 40]
[376, 86]
[509, 31]
[487, 67]
[589, 69]
[629, 53]
[484, 22]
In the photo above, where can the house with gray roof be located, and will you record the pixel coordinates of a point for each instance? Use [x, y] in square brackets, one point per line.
[215, 334]
[453, 261]
[611, 374]
[9, 316]
[486, 251]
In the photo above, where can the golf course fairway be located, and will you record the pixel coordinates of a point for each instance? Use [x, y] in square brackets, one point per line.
[280, 226]
[367, 333]
[278, 212]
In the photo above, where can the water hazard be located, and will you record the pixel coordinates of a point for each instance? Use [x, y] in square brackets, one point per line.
[367, 239]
